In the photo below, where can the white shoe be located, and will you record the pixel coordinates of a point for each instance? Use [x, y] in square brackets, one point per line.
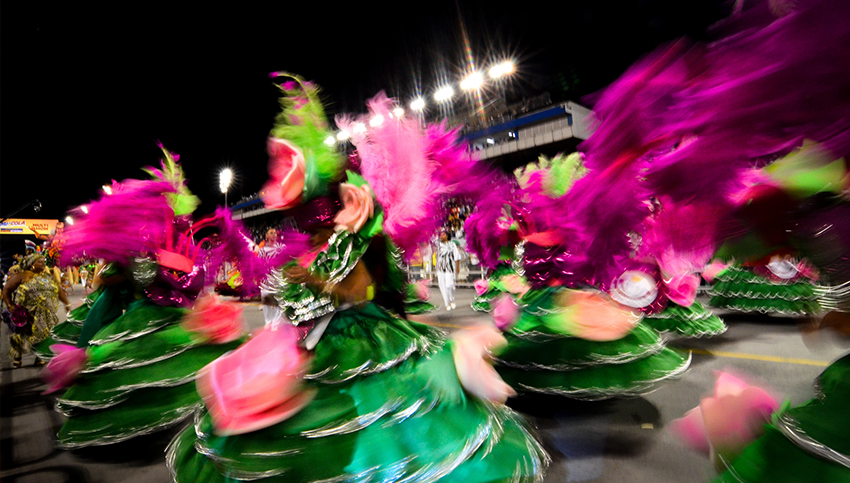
[448, 308]
[453, 306]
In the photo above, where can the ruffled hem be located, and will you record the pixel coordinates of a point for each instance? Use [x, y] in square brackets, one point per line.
[603, 381]
[782, 308]
[141, 318]
[694, 321]
[413, 424]
[146, 412]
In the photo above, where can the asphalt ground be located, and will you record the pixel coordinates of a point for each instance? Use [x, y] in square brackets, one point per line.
[619, 440]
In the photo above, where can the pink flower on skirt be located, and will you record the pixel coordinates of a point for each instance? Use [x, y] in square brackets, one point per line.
[514, 284]
[257, 385]
[724, 424]
[422, 290]
[481, 286]
[505, 312]
[682, 288]
[215, 320]
[592, 315]
[63, 369]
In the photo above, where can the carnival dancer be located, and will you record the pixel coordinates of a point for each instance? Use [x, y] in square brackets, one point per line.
[758, 123]
[133, 367]
[566, 334]
[365, 395]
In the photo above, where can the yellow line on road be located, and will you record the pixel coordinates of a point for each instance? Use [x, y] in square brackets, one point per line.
[758, 357]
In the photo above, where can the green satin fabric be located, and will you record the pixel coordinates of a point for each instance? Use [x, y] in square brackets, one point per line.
[108, 307]
[389, 406]
[739, 289]
[139, 377]
[541, 358]
[693, 321]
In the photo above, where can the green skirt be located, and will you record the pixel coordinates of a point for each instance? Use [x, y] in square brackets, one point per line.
[139, 378]
[388, 407]
[810, 442]
[541, 359]
[738, 288]
[693, 321]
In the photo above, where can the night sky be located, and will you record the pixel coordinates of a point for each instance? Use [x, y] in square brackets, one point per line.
[86, 92]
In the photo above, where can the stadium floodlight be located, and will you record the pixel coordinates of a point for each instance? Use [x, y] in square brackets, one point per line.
[472, 82]
[224, 180]
[418, 104]
[444, 93]
[502, 69]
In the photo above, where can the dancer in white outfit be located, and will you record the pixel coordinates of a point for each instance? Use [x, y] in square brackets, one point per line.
[448, 265]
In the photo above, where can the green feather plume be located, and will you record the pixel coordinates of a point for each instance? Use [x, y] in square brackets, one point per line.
[183, 201]
[302, 121]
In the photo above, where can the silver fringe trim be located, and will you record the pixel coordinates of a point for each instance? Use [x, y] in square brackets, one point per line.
[332, 255]
[767, 311]
[640, 388]
[160, 323]
[596, 360]
[127, 362]
[181, 414]
[121, 394]
[360, 422]
[791, 429]
[750, 295]
[836, 298]
[299, 311]
[749, 277]
[517, 263]
[367, 368]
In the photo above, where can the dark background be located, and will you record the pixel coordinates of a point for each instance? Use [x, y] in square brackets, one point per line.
[86, 91]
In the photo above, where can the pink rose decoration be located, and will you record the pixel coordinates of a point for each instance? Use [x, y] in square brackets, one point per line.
[257, 385]
[422, 290]
[712, 269]
[357, 208]
[215, 320]
[505, 312]
[471, 352]
[481, 286]
[724, 424]
[63, 369]
[592, 315]
[514, 284]
[287, 171]
[682, 288]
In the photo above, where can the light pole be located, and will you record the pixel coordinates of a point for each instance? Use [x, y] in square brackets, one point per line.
[224, 180]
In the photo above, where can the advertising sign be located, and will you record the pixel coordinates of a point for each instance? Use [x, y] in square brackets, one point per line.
[28, 226]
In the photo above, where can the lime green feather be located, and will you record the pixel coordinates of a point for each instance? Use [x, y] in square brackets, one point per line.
[183, 201]
[302, 121]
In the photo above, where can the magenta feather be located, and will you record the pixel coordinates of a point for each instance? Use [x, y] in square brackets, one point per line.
[235, 245]
[133, 221]
[412, 171]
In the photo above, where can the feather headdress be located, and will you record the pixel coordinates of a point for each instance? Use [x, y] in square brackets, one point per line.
[412, 171]
[301, 164]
